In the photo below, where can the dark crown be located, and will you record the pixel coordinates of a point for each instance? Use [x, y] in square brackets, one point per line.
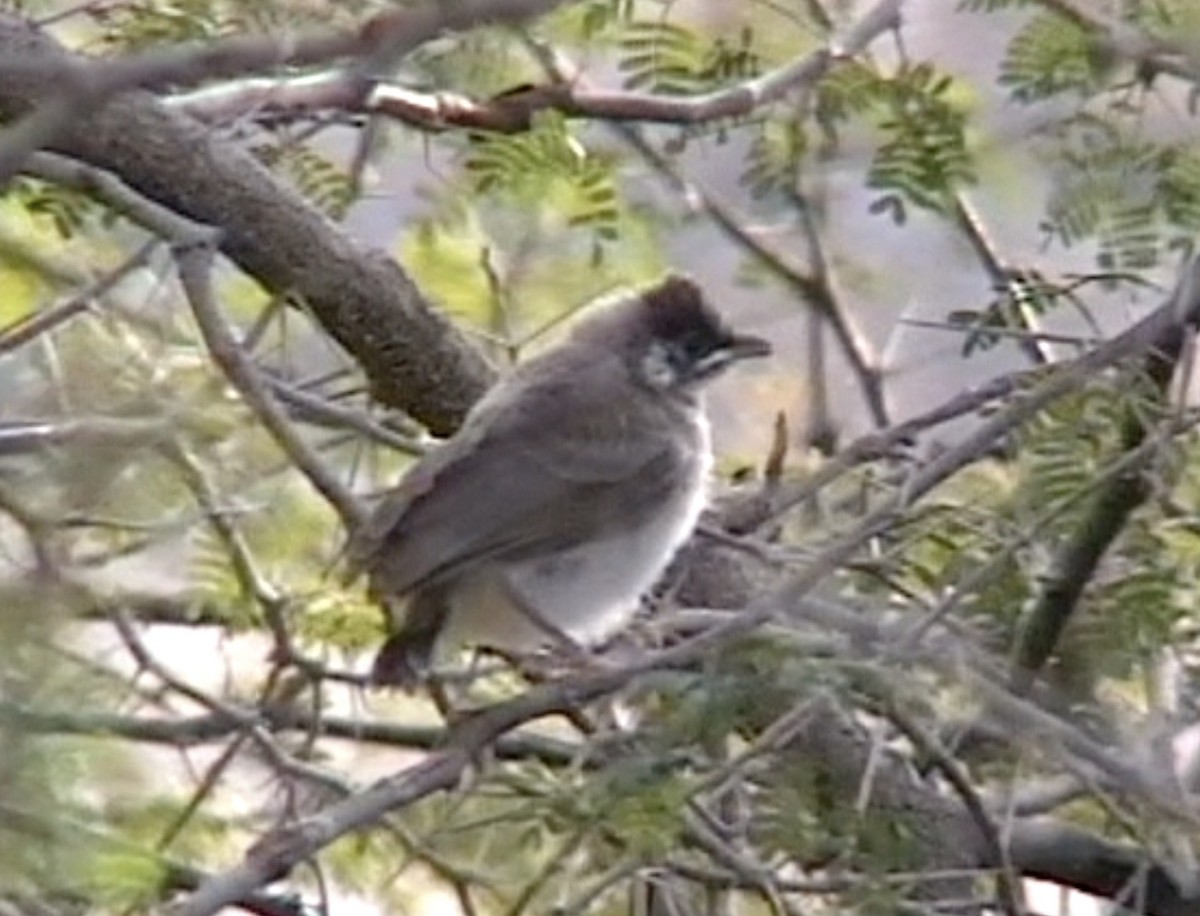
[676, 311]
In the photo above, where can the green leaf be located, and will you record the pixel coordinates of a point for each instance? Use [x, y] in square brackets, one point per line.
[662, 57]
[923, 159]
[547, 164]
[1051, 55]
[338, 621]
[120, 878]
[321, 181]
[775, 156]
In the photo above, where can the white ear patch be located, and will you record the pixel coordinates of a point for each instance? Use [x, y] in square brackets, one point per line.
[657, 370]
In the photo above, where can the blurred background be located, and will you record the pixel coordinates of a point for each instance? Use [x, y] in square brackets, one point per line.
[990, 187]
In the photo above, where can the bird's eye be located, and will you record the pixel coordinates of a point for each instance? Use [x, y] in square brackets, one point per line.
[661, 366]
[693, 352]
[683, 360]
[697, 347]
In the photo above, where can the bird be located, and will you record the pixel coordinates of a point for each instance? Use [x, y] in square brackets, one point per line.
[562, 497]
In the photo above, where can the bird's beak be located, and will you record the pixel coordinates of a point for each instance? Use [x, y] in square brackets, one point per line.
[745, 346]
[733, 348]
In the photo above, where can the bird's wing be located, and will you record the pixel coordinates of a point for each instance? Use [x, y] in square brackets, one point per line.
[548, 462]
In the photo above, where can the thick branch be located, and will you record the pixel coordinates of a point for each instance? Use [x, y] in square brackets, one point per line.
[950, 836]
[1055, 851]
[949, 833]
[1109, 509]
[74, 88]
[414, 358]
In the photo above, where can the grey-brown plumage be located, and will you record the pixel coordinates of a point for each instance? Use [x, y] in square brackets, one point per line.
[563, 496]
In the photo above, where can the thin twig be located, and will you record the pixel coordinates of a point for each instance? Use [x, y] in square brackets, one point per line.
[32, 326]
[323, 410]
[73, 86]
[1003, 278]
[1007, 880]
[195, 273]
[517, 111]
[815, 291]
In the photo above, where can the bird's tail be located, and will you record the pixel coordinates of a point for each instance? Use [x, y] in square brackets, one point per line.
[405, 658]
[402, 662]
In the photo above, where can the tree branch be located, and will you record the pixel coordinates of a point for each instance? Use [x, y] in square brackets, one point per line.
[1003, 280]
[195, 262]
[515, 112]
[73, 86]
[814, 289]
[176, 875]
[1062, 853]
[1152, 54]
[215, 726]
[1110, 508]
[415, 360]
[439, 770]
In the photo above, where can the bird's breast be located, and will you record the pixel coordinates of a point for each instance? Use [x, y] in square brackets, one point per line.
[591, 590]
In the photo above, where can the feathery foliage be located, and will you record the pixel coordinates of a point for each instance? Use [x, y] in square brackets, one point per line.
[182, 670]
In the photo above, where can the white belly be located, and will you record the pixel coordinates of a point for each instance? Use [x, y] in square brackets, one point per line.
[588, 592]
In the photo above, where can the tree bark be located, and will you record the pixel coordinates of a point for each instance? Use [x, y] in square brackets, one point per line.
[414, 358]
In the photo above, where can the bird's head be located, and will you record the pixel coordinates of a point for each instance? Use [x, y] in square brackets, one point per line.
[674, 340]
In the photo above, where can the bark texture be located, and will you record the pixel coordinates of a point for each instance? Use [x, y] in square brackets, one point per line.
[415, 359]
